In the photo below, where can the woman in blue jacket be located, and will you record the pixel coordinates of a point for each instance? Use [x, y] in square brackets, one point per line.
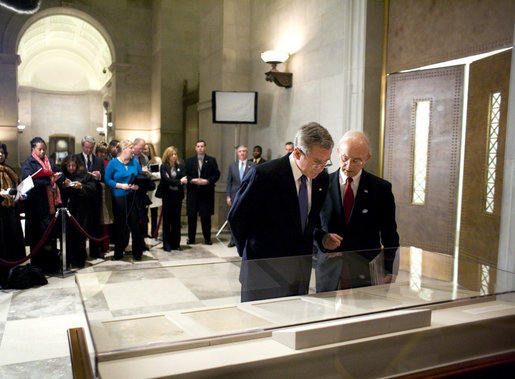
[120, 174]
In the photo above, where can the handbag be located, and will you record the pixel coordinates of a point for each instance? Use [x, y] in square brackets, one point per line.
[159, 192]
[26, 276]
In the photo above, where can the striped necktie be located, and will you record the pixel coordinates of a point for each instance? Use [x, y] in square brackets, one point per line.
[303, 201]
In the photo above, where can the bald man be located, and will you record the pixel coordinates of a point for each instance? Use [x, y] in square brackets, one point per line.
[360, 208]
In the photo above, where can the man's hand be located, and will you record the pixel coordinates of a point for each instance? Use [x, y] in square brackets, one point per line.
[96, 174]
[200, 181]
[331, 241]
[229, 201]
[390, 278]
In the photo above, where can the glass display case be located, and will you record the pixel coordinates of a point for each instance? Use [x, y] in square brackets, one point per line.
[176, 310]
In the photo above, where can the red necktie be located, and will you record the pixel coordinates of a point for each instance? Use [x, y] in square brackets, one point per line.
[348, 200]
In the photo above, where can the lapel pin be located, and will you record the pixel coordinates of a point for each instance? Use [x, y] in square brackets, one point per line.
[366, 191]
[364, 211]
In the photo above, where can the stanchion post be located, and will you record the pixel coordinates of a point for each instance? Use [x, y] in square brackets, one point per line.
[65, 271]
[63, 237]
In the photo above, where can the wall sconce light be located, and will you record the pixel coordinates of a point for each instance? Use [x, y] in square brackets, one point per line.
[21, 128]
[101, 131]
[274, 57]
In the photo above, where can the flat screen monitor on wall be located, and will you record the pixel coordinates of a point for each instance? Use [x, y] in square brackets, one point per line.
[234, 107]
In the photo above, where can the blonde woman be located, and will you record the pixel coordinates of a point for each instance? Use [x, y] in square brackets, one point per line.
[173, 178]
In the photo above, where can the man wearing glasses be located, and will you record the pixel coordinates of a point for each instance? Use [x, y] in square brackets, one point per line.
[360, 208]
[274, 216]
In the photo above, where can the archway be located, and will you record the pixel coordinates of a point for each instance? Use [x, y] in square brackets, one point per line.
[63, 78]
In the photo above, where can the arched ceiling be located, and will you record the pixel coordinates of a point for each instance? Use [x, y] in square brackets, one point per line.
[63, 53]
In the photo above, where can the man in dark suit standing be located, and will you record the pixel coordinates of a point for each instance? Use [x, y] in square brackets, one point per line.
[359, 207]
[202, 173]
[95, 167]
[237, 171]
[256, 155]
[275, 213]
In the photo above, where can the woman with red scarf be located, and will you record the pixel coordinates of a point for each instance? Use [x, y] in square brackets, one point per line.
[41, 204]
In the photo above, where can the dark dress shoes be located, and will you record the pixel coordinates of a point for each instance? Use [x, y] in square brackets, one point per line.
[208, 242]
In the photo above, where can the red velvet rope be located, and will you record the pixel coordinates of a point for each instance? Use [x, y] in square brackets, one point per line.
[45, 236]
[156, 232]
[36, 249]
[83, 232]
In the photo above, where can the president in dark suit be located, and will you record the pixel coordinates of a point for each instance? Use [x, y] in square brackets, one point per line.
[202, 173]
[95, 167]
[274, 216]
[237, 171]
[359, 207]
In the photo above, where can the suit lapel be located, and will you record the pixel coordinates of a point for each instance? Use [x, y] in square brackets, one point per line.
[335, 193]
[361, 201]
[289, 194]
[247, 168]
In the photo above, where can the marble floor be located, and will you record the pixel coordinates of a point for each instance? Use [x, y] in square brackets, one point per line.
[34, 322]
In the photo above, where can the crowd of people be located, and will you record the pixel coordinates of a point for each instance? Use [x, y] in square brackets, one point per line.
[109, 189]
[286, 208]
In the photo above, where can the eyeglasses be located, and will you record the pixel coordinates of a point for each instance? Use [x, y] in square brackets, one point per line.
[317, 164]
[353, 161]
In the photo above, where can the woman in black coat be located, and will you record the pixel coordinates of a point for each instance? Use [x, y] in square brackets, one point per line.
[173, 177]
[12, 246]
[41, 204]
[76, 191]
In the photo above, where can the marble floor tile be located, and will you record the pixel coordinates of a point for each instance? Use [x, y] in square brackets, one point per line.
[34, 322]
[151, 292]
[38, 338]
[139, 274]
[60, 282]
[210, 281]
[53, 368]
[39, 303]
[5, 302]
[96, 303]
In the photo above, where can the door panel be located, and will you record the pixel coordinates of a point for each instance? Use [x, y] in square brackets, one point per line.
[479, 235]
[430, 225]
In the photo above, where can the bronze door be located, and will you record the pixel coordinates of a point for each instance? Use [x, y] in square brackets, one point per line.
[484, 162]
[428, 222]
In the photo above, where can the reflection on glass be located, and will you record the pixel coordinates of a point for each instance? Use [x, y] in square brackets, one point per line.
[493, 136]
[485, 279]
[422, 114]
[158, 307]
[415, 272]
